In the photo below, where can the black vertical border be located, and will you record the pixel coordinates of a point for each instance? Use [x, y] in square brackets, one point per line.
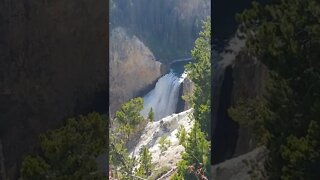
[107, 22]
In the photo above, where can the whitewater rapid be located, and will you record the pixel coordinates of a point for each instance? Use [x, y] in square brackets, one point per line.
[164, 97]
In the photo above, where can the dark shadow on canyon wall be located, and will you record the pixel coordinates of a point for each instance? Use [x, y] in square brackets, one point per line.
[225, 133]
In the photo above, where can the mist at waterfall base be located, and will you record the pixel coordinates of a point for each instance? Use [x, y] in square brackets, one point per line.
[163, 99]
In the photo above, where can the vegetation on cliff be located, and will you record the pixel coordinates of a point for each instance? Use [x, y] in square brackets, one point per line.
[128, 117]
[199, 72]
[69, 152]
[285, 36]
[195, 161]
[133, 68]
[145, 166]
[124, 125]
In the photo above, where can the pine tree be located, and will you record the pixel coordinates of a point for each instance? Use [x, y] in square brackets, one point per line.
[34, 168]
[129, 116]
[129, 112]
[145, 163]
[119, 157]
[196, 154]
[285, 36]
[195, 160]
[125, 122]
[164, 144]
[199, 72]
[181, 135]
[151, 115]
[69, 152]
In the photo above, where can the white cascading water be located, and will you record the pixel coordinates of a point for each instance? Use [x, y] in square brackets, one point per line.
[164, 97]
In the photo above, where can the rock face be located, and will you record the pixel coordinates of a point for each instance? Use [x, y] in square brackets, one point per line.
[244, 167]
[237, 76]
[186, 88]
[249, 80]
[53, 65]
[168, 27]
[133, 68]
[225, 130]
[167, 127]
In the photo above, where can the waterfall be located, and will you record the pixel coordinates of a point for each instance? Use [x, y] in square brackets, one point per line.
[163, 98]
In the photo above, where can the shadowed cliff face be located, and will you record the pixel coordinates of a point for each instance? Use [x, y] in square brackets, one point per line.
[242, 77]
[225, 130]
[237, 76]
[53, 61]
[168, 27]
[132, 68]
[185, 90]
[250, 77]
[225, 133]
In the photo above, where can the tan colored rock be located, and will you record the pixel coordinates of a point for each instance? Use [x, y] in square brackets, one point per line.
[132, 68]
[249, 78]
[188, 87]
[168, 27]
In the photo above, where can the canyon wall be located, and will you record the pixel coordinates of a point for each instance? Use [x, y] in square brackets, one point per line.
[236, 77]
[133, 68]
[185, 90]
[242, 78]
[168, 27]
[143, 31]
[249, 81]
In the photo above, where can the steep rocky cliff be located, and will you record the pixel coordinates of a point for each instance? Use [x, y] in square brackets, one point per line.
[133, 68]
[185, 90]
[53, 65]
[249, 80]
[168, 27]
[225, 130]
[143, 31]
[237, 76]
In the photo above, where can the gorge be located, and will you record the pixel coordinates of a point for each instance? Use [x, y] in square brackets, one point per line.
[147, 60]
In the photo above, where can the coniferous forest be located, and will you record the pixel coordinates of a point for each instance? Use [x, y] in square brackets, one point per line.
[284, 36]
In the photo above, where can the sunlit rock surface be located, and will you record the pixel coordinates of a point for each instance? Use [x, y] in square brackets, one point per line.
[132, 68]
[168, 127]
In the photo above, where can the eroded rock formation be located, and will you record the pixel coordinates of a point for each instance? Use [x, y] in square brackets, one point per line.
[133, 68]
[249, 81]
[237, 76]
